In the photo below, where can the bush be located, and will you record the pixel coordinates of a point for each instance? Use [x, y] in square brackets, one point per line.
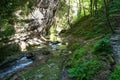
[85, 70]
[116, 74]
[102, 47]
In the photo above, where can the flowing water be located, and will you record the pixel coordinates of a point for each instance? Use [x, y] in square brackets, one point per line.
[11, 67]
[14, 66]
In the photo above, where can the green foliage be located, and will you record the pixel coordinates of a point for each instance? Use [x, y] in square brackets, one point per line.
[7, 21]
[102, 47]
[79, 53]
[114, 6]
[89, 27]
[77, 56]
[7, 18]
[85, 70]
[116, 74]
[7, 7]
[83, 67]
[63, 9]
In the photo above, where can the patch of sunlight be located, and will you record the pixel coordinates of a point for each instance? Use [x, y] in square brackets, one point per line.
[75, 8]
[53, 37]
[23, 46]
[37, 15]
[17, 14]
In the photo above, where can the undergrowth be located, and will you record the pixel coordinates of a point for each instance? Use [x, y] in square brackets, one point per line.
[89, 27]
[102, 47]
[115, 74]
[85, 70]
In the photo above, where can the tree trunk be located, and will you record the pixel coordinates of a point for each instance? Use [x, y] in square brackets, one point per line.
[68, 17]
[80, 8]
[96, 5]
[83, 6]
[107, 16]
[91, 7]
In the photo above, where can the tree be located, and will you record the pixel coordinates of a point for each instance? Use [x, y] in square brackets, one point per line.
[107, 15]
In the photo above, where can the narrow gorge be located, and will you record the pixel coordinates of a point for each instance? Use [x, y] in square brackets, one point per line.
[59, 40]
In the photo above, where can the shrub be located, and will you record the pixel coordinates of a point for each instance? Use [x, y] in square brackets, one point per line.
[80, 52]
[77, 56]
[102, 47]
[85, 70]
[116, 74]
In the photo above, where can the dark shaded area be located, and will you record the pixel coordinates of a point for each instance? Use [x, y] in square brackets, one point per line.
[7, 21]
[8, 50]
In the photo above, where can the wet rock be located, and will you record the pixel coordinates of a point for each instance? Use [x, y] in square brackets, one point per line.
[117, 31]
[30, 56]
[114, 39]
[40, 76]
[14, 77]
[113, 43]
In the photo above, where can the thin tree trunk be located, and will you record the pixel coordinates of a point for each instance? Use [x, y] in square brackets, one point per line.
[83, 8]
[91, 8]
[69, 14]
[107, 16]
[96, 6]
[79, 13]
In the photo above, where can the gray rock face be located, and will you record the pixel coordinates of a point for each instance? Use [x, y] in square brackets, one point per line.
[35, 24]
[45, 13]
[115, 41]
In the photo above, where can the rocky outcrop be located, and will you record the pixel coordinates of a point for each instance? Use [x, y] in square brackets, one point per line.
[33, 27]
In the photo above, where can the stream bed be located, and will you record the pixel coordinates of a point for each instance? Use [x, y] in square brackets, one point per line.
[52, 67]
[12, 67]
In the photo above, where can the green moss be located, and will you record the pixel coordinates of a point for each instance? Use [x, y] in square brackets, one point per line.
[51, 70]
[89, 27]
[62, 47]
[30, 48]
